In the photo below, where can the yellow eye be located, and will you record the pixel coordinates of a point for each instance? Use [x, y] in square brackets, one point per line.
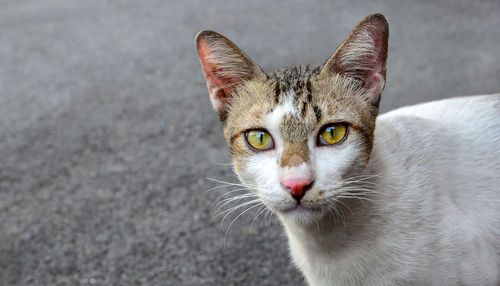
[333, 133]
[259, 140]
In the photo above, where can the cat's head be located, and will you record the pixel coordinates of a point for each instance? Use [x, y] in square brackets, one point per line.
[299, 133]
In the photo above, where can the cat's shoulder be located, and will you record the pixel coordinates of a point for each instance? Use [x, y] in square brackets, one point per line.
[456, 108]
[475, 120]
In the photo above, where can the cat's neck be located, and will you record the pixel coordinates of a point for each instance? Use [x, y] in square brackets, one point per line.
[332, 246]
[338, 242]
[351, 225]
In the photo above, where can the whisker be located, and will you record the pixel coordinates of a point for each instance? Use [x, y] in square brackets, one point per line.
[217, 187]
[227, 230]
[222, 204]
[249, 208]
[233, 191]
[227, 201]
[337, 210]
[347, 207]
[363, 176]
[354, 184]
[331, 207]
[367, 181]
[361, 179]
[352, 196]
[259, 211]
[231, 184]
[267, 216]
[230, 210]
[361, 191]
[223, 164]
[218, 212]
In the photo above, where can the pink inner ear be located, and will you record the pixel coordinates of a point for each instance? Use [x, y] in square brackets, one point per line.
[371, 67]
[375, 64]
[218, 86]
[374, 84]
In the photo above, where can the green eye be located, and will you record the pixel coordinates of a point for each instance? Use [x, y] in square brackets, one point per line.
[332, 134]
[259, 140]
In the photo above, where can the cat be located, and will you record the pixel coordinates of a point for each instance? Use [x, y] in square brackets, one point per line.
[410, 197]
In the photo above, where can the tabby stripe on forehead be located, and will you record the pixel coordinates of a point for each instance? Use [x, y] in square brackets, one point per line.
[283, 88]
[317, 111]
[308, 87]
[299, 86]
[304, 109]
[277, 92]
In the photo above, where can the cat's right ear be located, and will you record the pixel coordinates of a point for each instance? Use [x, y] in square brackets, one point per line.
[225, 67]
[362, 56]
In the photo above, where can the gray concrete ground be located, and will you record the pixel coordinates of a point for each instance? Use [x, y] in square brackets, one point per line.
[107, 134]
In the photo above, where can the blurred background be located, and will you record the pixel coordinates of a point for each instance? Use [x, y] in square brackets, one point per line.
[107, 135]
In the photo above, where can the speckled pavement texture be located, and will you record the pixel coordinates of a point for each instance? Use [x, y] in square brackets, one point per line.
[107, 134]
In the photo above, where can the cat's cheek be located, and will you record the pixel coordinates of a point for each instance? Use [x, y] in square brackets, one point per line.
[239, 166]
[262, 171]
[332, 163]
[262, 168]
[240, 155]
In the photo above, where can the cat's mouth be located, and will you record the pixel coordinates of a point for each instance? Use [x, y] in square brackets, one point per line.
[301, 213]
[300, 207]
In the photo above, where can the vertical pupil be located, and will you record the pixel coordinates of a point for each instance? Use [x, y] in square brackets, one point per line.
[261, 137]
[332, 131]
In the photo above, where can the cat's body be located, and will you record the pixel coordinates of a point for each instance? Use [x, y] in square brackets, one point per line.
[414, 201]
[436, 221]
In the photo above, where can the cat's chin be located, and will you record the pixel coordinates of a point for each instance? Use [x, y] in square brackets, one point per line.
[302, 214]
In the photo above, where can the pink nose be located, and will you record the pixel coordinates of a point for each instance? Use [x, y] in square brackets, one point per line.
[298, 187]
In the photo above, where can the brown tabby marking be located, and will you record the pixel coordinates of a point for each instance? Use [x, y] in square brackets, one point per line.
[294, 154]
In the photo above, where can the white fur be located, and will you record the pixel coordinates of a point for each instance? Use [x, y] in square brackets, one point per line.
[263, 168]
[286, 107]
[433, 217]
[438, 220]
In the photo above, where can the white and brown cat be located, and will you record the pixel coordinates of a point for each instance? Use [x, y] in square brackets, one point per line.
[411, 197]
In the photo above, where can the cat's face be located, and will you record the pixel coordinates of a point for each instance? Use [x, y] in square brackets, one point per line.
[291, 142]
[298, 134]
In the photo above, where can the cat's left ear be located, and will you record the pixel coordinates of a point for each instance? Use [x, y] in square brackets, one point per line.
[225, 67]
[363, 56]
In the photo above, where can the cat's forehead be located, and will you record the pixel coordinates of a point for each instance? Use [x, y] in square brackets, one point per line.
[294, 101]
[293, 74]
[296, 79]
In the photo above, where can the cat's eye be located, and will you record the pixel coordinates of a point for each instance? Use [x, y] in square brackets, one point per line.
[332, 134]
[259, 140]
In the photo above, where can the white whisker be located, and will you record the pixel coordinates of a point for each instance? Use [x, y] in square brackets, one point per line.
[231, 184]
[352, 196]
[259, 211]
[249, 208]
[230, 210]
[224, 164]
[227, 193]
[227, 201]
[338, 214]
[217, 187]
